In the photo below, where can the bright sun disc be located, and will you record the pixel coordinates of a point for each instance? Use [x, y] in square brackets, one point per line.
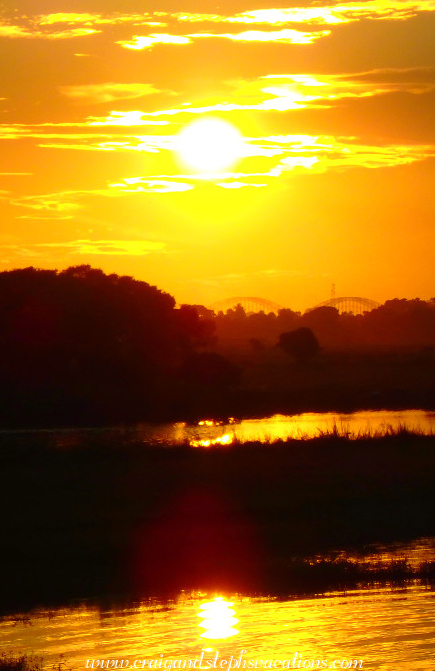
[209, 145]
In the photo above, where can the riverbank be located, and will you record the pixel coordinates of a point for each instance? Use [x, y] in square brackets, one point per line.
[133, 518]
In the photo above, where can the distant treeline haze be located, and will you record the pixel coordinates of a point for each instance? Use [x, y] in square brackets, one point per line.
[80, 346]
[396, 324]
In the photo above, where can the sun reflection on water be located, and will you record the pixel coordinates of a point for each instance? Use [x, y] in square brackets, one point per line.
[226, 439]
[217, 619]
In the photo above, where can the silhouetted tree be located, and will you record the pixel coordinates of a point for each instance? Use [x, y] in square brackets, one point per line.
[80, 345]
[301, 343]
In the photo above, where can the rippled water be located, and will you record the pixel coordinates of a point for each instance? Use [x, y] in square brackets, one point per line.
[386, 629]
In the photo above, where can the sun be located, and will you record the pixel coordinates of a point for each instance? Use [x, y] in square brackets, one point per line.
[209, 145]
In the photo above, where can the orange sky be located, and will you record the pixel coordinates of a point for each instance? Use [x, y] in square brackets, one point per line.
[336, 104]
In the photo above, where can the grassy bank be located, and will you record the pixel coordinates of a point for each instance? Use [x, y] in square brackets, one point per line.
[124, 517]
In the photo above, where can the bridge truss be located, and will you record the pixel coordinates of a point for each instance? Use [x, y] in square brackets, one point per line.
[250, 304]
[354, 304]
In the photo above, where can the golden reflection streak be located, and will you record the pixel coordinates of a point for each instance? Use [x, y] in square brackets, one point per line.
[218, 619]
[226, 439]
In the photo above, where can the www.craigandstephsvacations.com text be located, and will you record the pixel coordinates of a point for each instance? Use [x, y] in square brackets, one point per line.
[295, 661]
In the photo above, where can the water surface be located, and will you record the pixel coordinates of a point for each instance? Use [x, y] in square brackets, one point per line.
[384, 628]
[210, 432]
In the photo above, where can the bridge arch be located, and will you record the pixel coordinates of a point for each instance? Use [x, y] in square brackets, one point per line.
[249, 303]
[354, 304]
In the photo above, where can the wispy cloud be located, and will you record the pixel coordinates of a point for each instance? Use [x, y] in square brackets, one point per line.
[89, 19]
[17, 31]
[285, 36]
[69, 25]
[286, 155]
[108, 247]
[108, 92]
[329, 14]
[139, 42]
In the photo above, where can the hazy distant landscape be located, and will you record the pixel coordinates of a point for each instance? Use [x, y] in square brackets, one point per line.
[79, 347]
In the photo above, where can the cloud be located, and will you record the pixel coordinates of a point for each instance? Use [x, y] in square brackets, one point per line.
[238, 185]
[104, 93]
[286, 155]
[10, 30]
[153, 184]
[115, 118]
[108, 247]
[330, 14]
[57, 205]
[139, 42]
[285, 36]
[16, 31]
[286, 92]
[72, 18]
[69, 25]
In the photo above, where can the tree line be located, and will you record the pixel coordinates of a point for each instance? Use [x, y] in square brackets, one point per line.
[79, 346]
[398, 323]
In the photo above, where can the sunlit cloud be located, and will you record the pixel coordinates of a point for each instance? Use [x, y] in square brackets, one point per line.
[320, 153]
[17, 31]
[69, 25]
[289, 154]
[139, 42]
[298, 91]
[285, 36]
[239, 185]
[9, 30]
[57, 203]
[122, 131]
[108, 247]
[68, 17]
[115, 118]
[330, 14]
[104, 93]
[72, 18]
[157, 184]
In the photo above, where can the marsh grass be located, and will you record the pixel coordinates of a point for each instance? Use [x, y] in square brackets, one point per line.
[118, 515]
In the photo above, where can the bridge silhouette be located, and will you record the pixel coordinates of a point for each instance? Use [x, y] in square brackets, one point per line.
[252, 304]
[352, 304]
[249, 304]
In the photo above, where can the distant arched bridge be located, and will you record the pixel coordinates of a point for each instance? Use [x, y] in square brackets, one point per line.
[352, 304]
[250, 304]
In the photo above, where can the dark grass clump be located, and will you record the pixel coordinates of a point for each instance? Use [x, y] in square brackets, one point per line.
[20, 663]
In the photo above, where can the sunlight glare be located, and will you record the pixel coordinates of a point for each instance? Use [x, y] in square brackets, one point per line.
[209, 145]
[217, 619]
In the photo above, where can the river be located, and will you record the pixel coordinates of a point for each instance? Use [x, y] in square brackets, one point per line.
[384, 628]
[370, 629]
[209, 432]
[377, 628]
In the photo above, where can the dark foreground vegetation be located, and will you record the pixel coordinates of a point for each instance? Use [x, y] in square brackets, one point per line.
[117, 518]
[20, 663]
[80, 347]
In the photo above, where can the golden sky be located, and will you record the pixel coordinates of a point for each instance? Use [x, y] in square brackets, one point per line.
[332, 109]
